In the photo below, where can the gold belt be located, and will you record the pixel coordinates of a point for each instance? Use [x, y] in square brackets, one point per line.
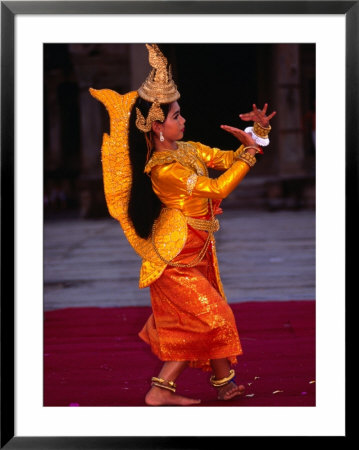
[203, 224]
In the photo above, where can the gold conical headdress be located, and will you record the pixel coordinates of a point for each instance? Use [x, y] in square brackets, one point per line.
[159, 85]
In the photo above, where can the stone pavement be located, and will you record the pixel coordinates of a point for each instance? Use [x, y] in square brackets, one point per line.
[262, 256]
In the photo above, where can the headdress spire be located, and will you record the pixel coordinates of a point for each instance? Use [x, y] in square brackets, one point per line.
[159, 86]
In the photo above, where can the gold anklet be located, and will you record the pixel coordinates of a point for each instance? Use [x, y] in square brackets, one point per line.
[222, 381]
[159, 382]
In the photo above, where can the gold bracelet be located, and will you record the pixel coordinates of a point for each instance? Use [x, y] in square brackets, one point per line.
[261, 131]
[251, 146]
[222, 381]
[247, 158]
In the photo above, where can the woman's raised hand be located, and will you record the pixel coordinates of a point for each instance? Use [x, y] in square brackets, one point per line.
[258, 115]
[241, 135]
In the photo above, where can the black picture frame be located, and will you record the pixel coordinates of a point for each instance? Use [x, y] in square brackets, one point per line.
[9, 9]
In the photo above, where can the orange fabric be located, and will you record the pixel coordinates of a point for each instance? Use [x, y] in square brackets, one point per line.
[191, 321]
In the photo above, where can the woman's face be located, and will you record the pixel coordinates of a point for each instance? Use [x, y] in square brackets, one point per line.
[173, 127]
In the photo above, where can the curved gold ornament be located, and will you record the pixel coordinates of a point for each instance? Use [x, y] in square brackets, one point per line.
[117, 177]
[155, 113]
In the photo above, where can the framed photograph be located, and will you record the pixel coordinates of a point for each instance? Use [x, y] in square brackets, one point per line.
[29, 33]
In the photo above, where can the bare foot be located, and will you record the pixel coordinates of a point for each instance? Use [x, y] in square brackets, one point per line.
[160, 397]
[230, 390]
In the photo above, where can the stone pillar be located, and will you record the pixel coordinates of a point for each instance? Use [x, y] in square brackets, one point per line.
[53, 156]
[90, 182]
[100, 67]
[289, 118]
[90, 127]
[139, 65]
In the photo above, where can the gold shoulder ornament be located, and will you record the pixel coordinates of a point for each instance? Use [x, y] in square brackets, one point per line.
[186, 154]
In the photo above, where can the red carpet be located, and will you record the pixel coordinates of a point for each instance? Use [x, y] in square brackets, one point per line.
[93, 357]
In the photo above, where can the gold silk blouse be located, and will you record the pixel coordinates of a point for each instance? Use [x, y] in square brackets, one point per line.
[180, 177]
[180, 180]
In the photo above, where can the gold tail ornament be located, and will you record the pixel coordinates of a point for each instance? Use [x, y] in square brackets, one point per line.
[171, 226]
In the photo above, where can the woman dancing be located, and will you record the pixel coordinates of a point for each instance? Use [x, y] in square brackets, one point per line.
[158, 187]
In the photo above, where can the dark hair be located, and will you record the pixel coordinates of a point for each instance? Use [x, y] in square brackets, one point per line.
[144, 206]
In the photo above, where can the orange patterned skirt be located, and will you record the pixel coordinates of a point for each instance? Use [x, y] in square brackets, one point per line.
[191, 321]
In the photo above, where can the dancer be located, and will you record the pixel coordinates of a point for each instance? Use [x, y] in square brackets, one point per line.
[158, 187]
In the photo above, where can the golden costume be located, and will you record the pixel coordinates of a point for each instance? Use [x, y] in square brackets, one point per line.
[191, 318]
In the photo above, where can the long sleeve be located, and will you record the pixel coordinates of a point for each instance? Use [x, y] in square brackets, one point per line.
[174, 181]
[214, 157]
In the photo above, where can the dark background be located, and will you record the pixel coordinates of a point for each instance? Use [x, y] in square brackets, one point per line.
[217, 82]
